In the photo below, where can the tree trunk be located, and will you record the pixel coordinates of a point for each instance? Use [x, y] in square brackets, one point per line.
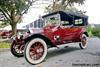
[14, 28]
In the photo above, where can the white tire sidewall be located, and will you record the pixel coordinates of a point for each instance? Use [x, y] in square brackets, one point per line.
[28, 47]
[83, 35]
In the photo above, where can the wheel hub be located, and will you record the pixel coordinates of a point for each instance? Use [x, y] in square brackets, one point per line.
[39, 50]
[84, 41]
[36, 51]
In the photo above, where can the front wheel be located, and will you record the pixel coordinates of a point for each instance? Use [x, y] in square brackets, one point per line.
[35, 51]
[83, 43]
[17, 49]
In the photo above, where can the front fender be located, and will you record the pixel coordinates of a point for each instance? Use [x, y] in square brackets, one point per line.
[48, 42]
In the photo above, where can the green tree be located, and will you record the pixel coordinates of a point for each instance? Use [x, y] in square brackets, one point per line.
[13, 11]
[63, 5]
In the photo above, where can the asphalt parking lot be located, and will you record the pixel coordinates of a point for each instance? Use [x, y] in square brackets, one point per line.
[71, 56]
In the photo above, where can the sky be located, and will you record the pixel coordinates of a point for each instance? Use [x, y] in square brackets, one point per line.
[93, 10]
[91, 6]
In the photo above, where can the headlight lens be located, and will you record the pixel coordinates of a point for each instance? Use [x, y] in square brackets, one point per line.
[18, 36]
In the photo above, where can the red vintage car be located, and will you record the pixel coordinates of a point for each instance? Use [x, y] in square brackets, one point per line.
[59, 28]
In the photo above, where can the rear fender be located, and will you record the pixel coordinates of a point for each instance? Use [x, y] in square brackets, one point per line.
[86, 34]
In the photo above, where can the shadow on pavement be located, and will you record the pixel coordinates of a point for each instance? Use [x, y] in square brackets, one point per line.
[61, 51]
[96, 54]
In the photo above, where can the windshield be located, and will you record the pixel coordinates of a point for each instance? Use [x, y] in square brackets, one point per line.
[52, 20]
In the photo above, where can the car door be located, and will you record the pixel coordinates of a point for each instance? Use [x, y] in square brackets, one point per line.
[71, 33]
[68, 33]
[59, 34]
[64, 33]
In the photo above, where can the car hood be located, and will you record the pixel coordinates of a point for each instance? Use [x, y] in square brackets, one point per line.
[36, 30]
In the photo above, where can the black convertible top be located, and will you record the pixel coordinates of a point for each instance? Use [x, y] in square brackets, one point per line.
[69, 16]
[62, 13]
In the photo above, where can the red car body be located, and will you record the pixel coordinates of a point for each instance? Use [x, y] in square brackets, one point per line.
[64, 34]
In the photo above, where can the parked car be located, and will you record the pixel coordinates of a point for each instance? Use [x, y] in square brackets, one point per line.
[59, 28]
[5, 34]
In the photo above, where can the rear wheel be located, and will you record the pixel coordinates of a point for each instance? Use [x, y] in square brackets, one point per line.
[83, 43]
[35, 51]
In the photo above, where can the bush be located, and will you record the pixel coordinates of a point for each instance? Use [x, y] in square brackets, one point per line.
[89, 30]
[96, 32]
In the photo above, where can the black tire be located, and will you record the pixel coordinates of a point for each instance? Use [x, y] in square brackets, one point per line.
[14, 50]
[35, 51]
[83, 43]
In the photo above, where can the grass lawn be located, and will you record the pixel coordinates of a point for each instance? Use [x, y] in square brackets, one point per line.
[4, 45]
